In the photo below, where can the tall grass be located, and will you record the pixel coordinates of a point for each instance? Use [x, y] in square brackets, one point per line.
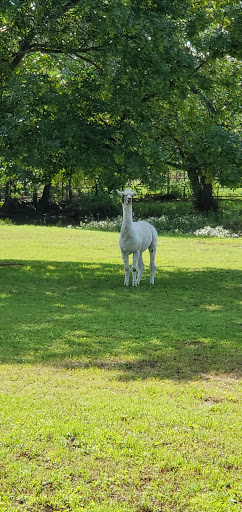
[179, 218]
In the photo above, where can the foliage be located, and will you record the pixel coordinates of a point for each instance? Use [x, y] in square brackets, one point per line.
[179, 218]
[149, 208]
[99, 205]
[114, 399]
[127, 93]
[5, 221]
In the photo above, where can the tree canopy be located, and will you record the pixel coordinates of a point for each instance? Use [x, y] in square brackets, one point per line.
[121, 89]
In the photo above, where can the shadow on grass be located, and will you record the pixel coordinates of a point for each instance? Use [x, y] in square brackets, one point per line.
[79, 315]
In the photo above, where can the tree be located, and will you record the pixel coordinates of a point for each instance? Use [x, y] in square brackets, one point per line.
[108, 46]
[196, 128]
[212, 149]
[118, 90]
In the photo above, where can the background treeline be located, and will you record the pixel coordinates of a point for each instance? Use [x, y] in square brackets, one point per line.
[90, 198]
[98, 94]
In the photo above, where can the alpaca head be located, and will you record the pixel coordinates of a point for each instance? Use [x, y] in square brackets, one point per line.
[126, 195]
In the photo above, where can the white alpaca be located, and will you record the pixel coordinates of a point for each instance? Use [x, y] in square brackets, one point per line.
[136, 237]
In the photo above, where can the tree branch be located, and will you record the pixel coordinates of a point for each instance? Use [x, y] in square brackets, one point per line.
[43, 49]
[205, 100]
[175, 165]
[202, 63]
[26, 43]
[90, 61]
[18, 56]
[66, 51]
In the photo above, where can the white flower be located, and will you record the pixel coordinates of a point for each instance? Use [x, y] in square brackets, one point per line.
[219, 231]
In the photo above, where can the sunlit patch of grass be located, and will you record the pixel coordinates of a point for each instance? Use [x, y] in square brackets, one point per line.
[213, 307]
[119, 399]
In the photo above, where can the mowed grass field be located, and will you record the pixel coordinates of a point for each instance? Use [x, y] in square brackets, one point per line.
[116, 399]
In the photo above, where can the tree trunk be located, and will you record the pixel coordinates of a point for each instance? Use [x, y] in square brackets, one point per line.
[7, 191]
[203, 192]
[44, 201]
[70, 190]
[168, 182]
[35, 200]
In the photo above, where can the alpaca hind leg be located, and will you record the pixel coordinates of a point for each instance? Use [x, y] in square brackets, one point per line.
[126, 269]
[134, 268]
[153, 266]
[140, 268]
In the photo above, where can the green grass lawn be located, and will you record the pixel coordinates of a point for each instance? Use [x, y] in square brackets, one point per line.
[116, 399]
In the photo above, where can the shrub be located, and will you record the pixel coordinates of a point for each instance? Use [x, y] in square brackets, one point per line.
[231, 215]
[5, 221]
[144, 209]
[97, 206]
[102, 225]
[219, 231]
[179, 218]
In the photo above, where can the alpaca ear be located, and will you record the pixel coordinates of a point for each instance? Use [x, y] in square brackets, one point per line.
[119, 193]
[133, 192]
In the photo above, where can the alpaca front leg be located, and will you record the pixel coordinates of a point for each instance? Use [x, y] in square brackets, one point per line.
[153, 266]
[153, 269]
[134, 269]
[126, 269]
[126, 276]
[140, 268]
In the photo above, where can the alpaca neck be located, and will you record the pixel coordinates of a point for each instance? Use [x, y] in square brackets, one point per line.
[127, 216]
